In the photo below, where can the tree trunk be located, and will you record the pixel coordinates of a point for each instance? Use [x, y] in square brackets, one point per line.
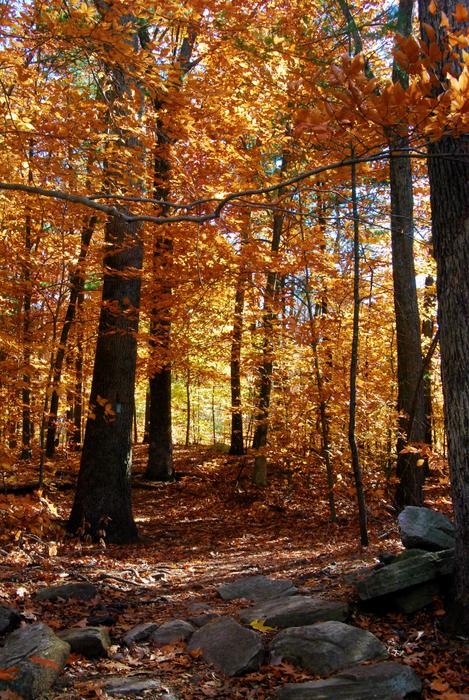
[448, 169]
[237, 437]
[26, 429]
[357, 472]
[102, 506]
[76, 287]
[410, 395]
[259, 442]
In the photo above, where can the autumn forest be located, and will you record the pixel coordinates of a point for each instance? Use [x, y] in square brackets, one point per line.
[241, 228]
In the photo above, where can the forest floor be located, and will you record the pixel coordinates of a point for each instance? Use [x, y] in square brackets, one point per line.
[206, 528]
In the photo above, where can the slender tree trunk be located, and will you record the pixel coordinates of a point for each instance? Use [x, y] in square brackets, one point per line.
[76, 287]
[410, 396]
[448, 169]
[237, 437]
[26, 429]
[259, 442]
[102, 506]
[357, 472]
[428, 324]
[78, 392]
[188, 407]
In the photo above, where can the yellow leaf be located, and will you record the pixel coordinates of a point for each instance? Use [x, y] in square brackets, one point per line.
[432, 7]
[444, 20]
[260, 626]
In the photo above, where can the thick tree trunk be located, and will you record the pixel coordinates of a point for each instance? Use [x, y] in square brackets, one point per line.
[102, 505]
[76, 287]
[448, 169]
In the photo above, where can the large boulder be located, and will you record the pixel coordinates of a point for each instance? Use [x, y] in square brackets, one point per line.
[406, 572]
[256, 588]
[90, 642]
[34, 657]
[81, 591]
[426, 529]
[230, 647]
[383, 681]
[326, 647]
[294, 611]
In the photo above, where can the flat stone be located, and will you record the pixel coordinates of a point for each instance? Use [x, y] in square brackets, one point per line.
[82, 591]
[426, 529]
[137, 685]
[382, 681]
[90, 642]
[405, 573]
[294, 611]
[233, 649]
[326, 647]
[171, 632]
[9, 619]
[36, 656]
[256, 588]
[140, 633]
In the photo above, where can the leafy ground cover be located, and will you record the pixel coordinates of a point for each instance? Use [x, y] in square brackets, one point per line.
[208, 527]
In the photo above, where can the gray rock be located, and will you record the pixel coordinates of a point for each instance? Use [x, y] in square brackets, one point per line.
[294, 611]
[383, 681]
[35, 656]
[256, 588]
[405, 573]
[426, 529]
[201, 620]
[140, 633]
[326, 647]
[230, 647]
[125, 687]
[171, 632]
[91, 642]
[82, 591]
[416, 598]
[9, 619]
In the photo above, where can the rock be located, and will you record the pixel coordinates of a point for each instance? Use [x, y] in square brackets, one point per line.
[9, 619]
[171, 632]
[326, 647]
[405, 573]
[383, 681]
[294, 611]
[91, 642]
[101, 620]
[140, 633]
[35, 656]
[82, 591]
[124, 687]
[415, 598]
[256, 588]
[201, 620]
[426, 529]
[230, 647]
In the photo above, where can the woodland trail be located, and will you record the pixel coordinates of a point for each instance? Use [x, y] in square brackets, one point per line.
[202, 530]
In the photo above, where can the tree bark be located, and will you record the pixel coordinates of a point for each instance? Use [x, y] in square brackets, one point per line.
[448, 170]
[102, 506]
[76, 287]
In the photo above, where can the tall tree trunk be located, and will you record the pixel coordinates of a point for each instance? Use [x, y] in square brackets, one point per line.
[237, 437]
[102, 505]
[259, 442]
[76, 287]
[448, 169]
[78, 390]
[357, 472]
[26, 428]
[412, 426]
[428, 324]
